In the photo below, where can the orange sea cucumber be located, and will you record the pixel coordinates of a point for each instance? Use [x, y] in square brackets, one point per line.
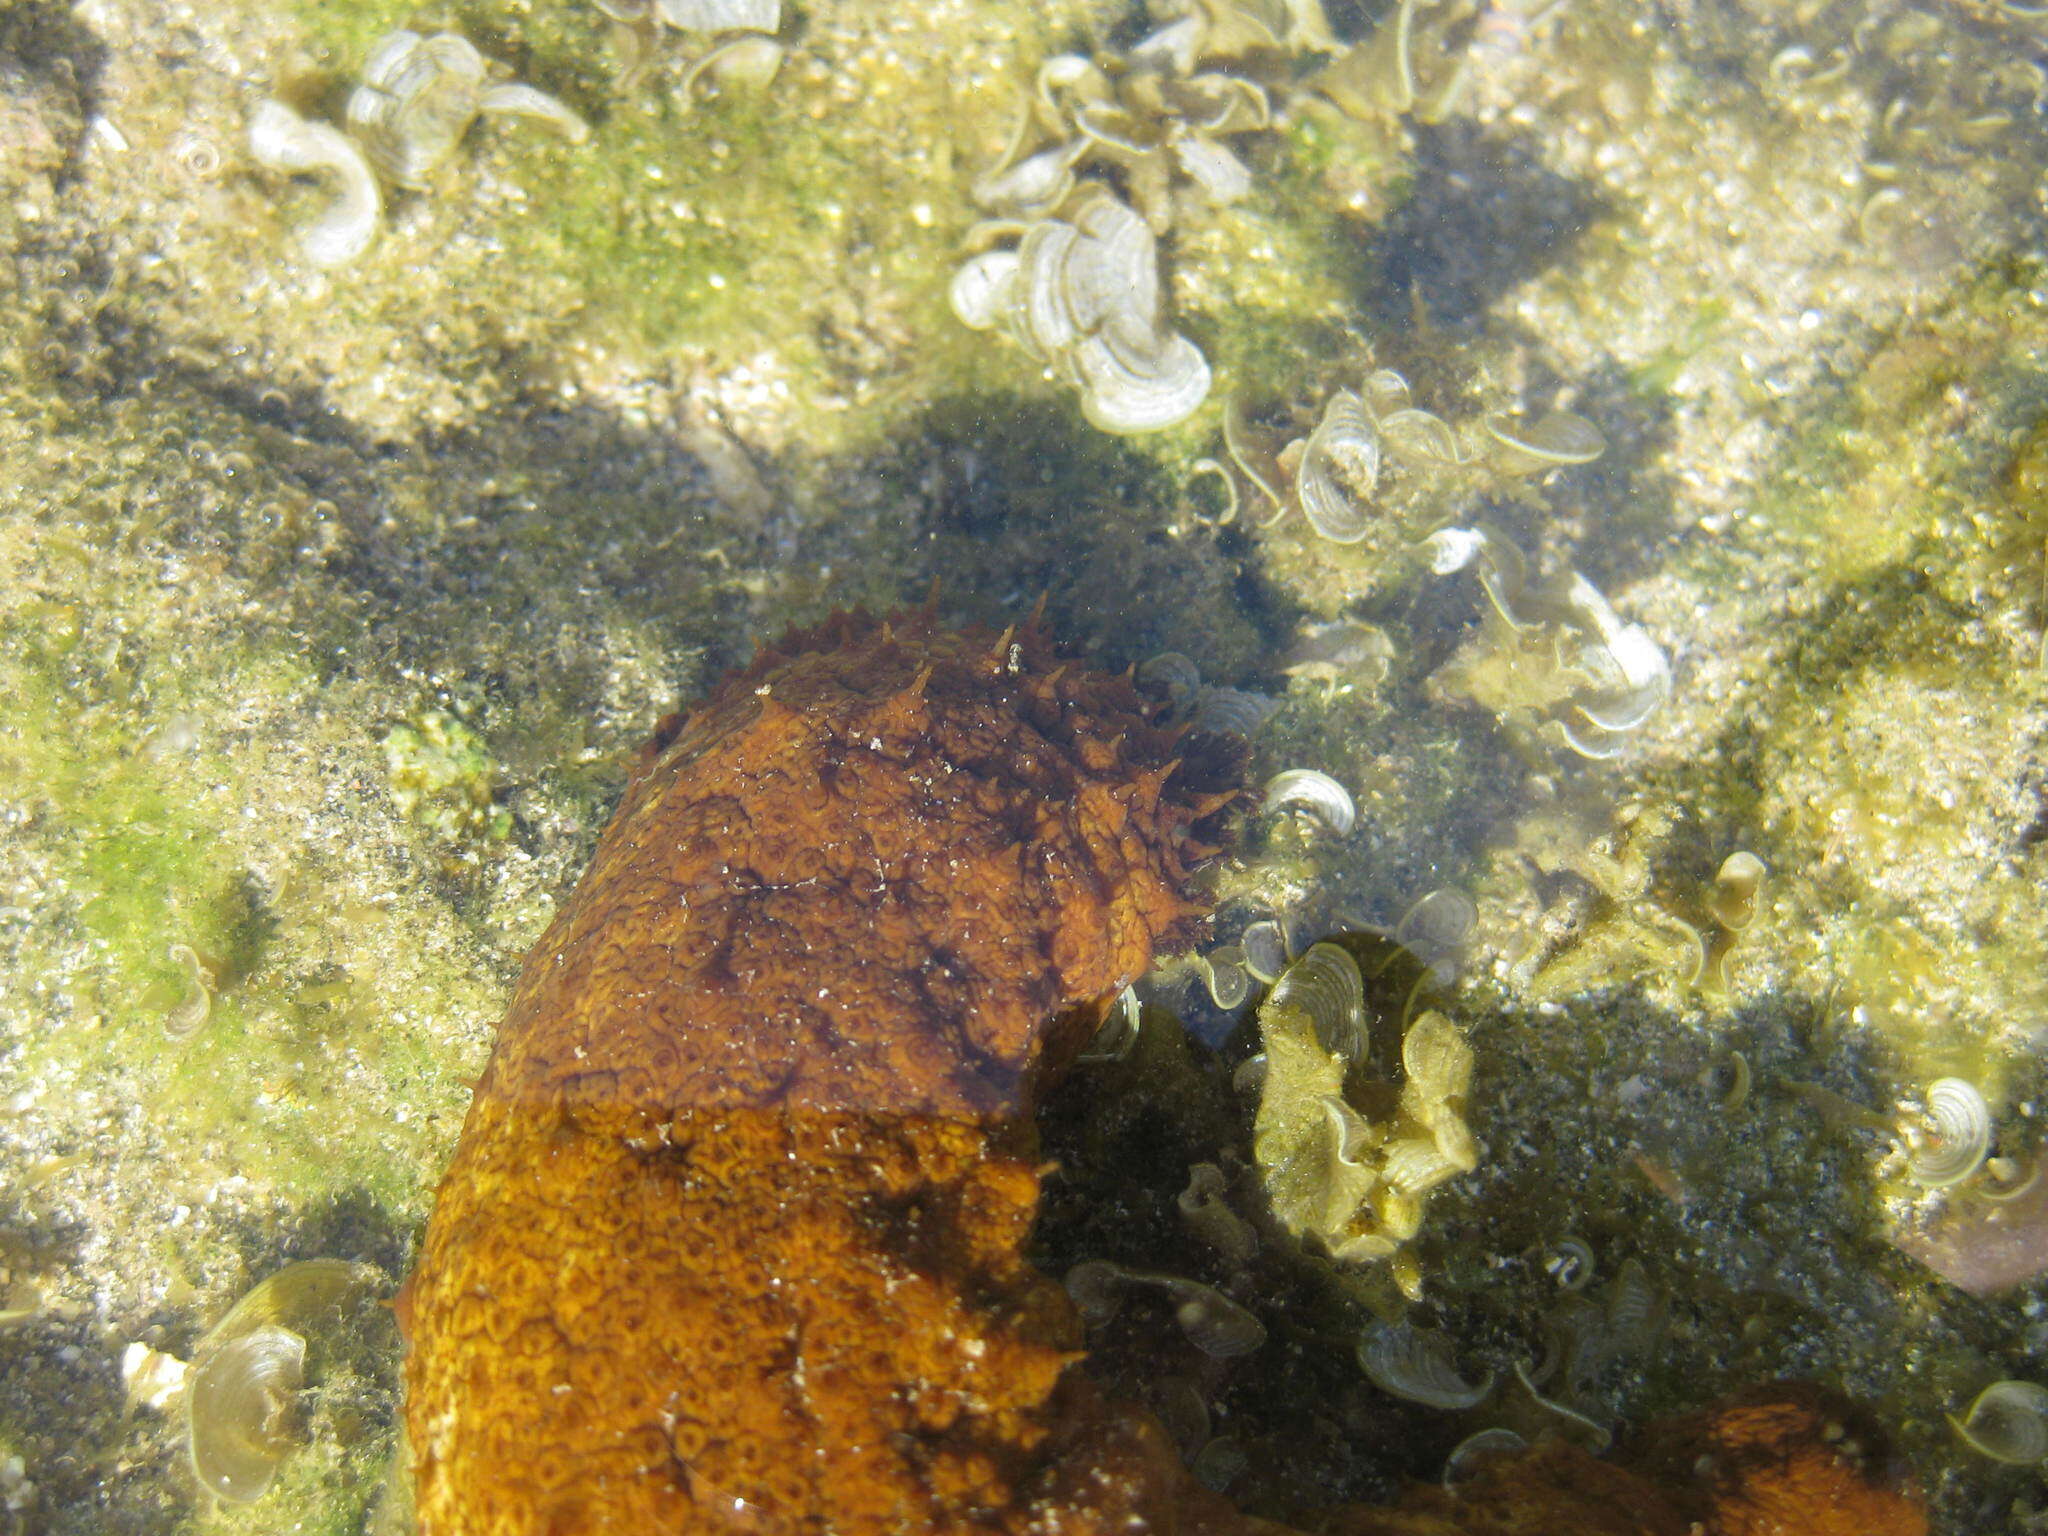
[733, 1240]
[733, 1237]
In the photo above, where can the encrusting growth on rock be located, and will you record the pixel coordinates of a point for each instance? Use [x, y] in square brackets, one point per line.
[733, 1239]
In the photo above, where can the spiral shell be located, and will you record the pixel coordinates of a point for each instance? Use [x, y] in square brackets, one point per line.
[2007, 1421]
[1419, 1366]
[1958, 1136]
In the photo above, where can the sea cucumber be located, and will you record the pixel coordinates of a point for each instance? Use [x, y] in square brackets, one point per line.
[733, 1238]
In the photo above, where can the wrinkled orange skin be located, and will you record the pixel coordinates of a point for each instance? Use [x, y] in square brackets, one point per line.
[1783, 1459]
[733, 1239]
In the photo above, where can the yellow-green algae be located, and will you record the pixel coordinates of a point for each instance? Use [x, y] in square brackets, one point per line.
[255, 523]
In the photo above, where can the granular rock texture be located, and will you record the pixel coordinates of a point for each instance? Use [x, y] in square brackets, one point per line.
[733, 1238]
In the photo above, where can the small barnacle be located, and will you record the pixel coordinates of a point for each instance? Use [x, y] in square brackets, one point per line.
[2007, 1421]
[1953, 1136]
[282, 140]
[420, 94]
[1314, 794]
[1325, 983]
[1205, 1207]
[1419, 1365]
[190, 1012]
[1518, 447]
[242, 1411]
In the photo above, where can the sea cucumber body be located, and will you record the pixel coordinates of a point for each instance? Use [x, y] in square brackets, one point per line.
[733, 1239]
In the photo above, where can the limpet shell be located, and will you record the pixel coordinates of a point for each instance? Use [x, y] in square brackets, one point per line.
[1418, 1365]
[2007, 1421]
[1960, 1136]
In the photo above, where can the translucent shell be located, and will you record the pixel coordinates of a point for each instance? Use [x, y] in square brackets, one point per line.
[1340, 466]
[241, 1401]
[420, 94]
[1325, 984]
[1419, 1366]
[1518, 447]
[1437, 1058]
[1958, 1136]
[417, 97]
[243, 1411]
[1137, 381]
[722, 15]
[1736, 889]
[2007, 1421]
[1314, 793]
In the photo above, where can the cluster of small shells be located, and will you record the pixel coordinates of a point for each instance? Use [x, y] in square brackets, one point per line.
[1069, 268]
[418, 96]
[744, 49]
[1556, 650]
[1331, 473]
[1354, 1186]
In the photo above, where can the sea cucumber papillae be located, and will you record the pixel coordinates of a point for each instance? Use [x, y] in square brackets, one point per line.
[733, 1237]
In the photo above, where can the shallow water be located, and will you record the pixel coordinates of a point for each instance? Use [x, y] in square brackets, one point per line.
[337, 598]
